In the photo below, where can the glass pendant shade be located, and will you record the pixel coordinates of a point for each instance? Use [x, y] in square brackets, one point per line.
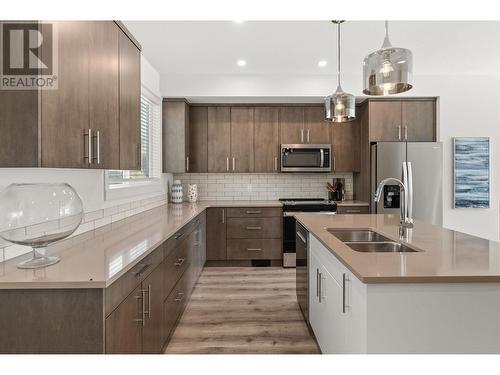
[388, 70]
[340, 106]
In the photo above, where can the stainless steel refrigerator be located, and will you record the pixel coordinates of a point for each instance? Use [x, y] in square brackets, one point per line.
[426, 180]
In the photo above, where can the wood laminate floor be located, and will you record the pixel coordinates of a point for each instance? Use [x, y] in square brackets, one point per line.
[243, 310]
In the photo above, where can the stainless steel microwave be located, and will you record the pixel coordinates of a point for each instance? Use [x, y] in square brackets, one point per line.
[306, 157]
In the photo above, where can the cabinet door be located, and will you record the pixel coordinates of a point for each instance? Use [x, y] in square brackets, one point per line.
[198, 128]
[130, 103]
[292, 128]
[175, 124]
[123, 326]
[333, 320]
[216, 234]
[65, 111]
[317, 130]
[419, 120]
[152, 332]
[103, 94]
[266, 139]
[385, 121]
[242, 139]
[346, 147]
[219, 139]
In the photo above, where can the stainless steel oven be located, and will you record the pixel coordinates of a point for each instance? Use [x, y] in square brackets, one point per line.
[306, 157]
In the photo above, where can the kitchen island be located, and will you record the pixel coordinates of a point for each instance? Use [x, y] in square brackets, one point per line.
[442, 296]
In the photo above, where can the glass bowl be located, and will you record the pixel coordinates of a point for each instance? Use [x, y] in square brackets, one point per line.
[38, 214]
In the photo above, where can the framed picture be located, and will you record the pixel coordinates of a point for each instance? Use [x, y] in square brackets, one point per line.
[471, 166]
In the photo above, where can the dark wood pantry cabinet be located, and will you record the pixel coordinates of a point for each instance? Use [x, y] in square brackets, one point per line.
[92, 118]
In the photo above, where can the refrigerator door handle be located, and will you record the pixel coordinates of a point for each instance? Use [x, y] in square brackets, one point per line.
[404, 206]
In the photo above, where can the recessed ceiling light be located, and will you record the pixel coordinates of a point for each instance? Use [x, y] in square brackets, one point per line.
[238, 21]
[241, 63]
[322, 63]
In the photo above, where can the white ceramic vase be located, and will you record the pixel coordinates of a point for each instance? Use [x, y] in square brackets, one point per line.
[192, 193]
[176, 192]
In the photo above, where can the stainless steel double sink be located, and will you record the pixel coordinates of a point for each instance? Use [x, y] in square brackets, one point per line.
[368, 241]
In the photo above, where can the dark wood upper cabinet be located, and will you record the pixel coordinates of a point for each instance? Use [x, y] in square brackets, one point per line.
[175, 123]
[123, 326]
[385, 121]
[266, 139]
[403, 120]
[316, 129]
[130, 103]
[92, 119]
[242, 152]
[103, 93]
[65, 111]
[219, 139]
[216, 234]
[346, 146]
[198, 138]
[292, 125]
[419, 120]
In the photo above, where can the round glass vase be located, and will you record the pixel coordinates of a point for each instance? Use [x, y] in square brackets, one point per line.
[37, 215]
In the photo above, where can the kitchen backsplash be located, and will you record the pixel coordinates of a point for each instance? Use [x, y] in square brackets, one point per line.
[262, 186]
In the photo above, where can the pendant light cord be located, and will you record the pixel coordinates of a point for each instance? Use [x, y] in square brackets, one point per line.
[338, 53]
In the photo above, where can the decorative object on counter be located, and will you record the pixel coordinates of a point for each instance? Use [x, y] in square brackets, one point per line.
[388, 70]
[38, 214]
[340, 106]
[176, 191]
[192, 193]
[471, 164]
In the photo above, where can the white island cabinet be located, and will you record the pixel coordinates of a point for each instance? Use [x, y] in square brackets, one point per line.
[349, 316]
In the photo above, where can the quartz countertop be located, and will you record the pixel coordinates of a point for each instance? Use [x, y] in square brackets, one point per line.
[97, 258]
[445, 256]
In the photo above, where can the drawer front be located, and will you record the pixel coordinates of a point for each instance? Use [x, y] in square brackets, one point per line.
[174, 304]
[121, 288]
[247, 249]
[266, 227]
[352, 210]
[175, 265]
[254, 212]
[179, 236]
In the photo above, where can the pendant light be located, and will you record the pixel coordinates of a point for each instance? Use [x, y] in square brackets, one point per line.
[340, 106]
[388, 70]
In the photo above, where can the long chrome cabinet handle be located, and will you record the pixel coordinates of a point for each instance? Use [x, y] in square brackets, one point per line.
[223, 216]
[234, 163]
[179, 262]
[301, 135]
[97, 138]
[307, 135]
[276, 163]
[139, 155]
[317, 282]
[88, 156]
[399, 132]
[253, 212]
[227, 163]
[187, 163]
[334, 163]
[149, 301]
[254, 228]
[344, 281]
[144, 267]
[406, 132]
[255, 249]
[320, 286]
[144, 311]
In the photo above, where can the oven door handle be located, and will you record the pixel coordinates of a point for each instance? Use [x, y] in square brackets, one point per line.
[292, 213]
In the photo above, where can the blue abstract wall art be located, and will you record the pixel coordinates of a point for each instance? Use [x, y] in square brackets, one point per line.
[471, 172]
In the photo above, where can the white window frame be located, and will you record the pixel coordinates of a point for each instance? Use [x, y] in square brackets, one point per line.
[142, 186]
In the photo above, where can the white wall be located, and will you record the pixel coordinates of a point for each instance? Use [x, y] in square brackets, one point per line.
[468, 106]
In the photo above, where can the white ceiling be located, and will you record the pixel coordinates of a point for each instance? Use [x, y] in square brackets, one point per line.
[295, 47]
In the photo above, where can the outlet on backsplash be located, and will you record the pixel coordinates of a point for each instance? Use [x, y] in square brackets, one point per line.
[263, 186]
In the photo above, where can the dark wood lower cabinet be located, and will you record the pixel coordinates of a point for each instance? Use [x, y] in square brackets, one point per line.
[152, 330]
[216, 233]
[124, 325]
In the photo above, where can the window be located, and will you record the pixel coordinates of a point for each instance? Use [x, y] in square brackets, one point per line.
[150, 150]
